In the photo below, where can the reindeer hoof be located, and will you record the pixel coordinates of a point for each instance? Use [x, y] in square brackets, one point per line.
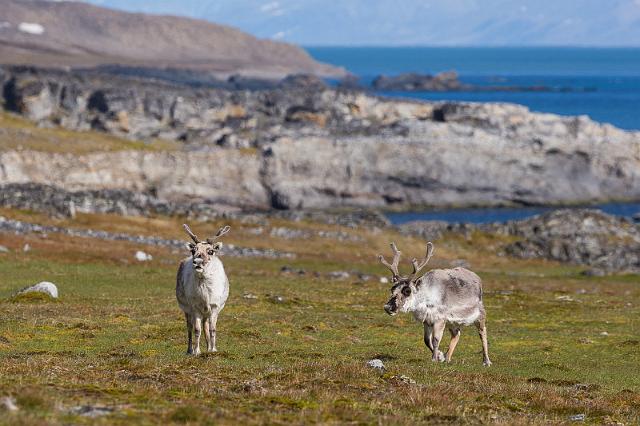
[487, 363]
[438, 357]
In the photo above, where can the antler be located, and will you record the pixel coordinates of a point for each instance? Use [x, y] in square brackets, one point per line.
[191, 234]
[396, 258]
[418, 266]
[222, 231]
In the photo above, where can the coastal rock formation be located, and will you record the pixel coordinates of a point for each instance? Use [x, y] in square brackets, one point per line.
[585, 237]
[413, 82]
[588, 237]
[302, 148]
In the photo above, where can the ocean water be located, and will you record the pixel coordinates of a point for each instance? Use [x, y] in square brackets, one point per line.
[605, 81]
[602, 83]
[491, 215]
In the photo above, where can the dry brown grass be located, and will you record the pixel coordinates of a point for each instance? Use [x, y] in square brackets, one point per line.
[17, 133]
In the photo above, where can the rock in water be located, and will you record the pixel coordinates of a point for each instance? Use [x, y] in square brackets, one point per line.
[42, 287]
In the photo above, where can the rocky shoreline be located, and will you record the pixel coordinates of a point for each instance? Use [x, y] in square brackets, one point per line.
[605, 243]
[306, 146]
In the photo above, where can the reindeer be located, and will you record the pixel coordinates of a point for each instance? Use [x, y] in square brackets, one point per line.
[202, 288]
[441, 298]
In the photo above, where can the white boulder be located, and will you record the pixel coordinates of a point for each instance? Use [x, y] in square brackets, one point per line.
[376, 364]
[42, 287]
[142, 256]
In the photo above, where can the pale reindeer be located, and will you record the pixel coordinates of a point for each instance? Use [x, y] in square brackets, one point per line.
[202, 288]
[441, 298]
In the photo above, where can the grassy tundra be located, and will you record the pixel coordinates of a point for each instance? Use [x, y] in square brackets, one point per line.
[562, 344]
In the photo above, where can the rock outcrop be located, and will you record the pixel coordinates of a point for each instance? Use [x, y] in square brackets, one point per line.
[588, 237]
[413, 82]
[585, 237]
[301, 148]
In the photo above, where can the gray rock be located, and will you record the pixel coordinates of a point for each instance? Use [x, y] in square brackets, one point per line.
[4, 249]
[413, 82]
[376, 364]
[8, 403]
[368, 152]
[42, 287]
[91, 411]
[579, 236]
[339, 275]
[577, 417]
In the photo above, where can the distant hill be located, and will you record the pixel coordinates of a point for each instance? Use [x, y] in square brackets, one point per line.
[417, 22]
[75, 34]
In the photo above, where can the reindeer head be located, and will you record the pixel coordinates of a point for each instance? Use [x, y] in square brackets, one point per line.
[203, 251]
[404, 286]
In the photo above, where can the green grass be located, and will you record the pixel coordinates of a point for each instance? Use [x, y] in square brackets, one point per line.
[116, 338]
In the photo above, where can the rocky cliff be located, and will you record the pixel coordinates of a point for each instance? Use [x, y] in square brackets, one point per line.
[306, 145]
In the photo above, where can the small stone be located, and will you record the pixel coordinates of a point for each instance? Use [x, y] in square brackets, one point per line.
[594, 272]
[577, 417]
[249, 296]
[26, 248]
[91, 411]
[42, 287]
[376, 364]
[604, 333]
[8, 404]
[339, 275]
[277, 299]
[565, 298]
[3, 249]
[384, 280]
[142, 256]
[403, 379]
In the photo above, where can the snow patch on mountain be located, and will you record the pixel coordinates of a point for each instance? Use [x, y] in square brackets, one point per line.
[31, 28]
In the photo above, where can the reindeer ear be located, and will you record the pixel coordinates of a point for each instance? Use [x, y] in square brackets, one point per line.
[190, 246]
[217, 246]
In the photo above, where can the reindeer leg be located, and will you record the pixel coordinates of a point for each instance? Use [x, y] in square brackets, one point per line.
[189, 334]
[198, 331]
[482, 330]
[428, 335]
[455, 336]
[438, 331]
[207, 337]
[212, 331]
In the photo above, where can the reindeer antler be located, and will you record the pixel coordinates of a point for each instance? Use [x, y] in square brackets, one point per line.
[396, 258]
[191, 234]
[418, 266]
[222, 231]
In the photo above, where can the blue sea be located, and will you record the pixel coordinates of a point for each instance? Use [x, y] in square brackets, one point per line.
[602, 83]
[606, 81]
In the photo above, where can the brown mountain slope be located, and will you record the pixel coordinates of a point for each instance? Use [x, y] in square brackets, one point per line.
[75, 34]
